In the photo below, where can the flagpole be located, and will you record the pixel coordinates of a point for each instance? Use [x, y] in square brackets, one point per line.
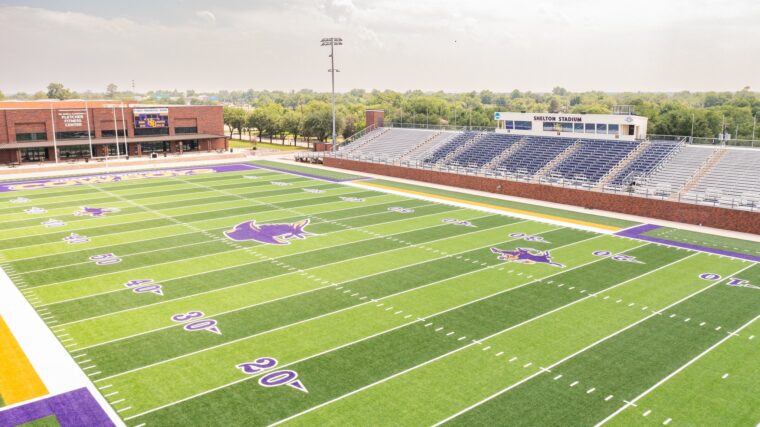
[89, 133]
[55, 143]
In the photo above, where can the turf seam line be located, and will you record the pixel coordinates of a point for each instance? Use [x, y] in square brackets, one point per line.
[566, 358]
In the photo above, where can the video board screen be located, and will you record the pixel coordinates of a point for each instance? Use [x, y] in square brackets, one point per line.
[150, 118]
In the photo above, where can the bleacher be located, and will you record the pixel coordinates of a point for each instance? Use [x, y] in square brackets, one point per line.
[484, 150]
[536, 153]
[593, 160]
[390, 144]
[447, 148]
[674, 174]
[643, 165]
[735, 175]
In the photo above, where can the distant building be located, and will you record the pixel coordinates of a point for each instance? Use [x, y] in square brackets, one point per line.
[39, 131]
[625, 127]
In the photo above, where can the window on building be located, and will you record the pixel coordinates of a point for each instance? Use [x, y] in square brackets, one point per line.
[74, 134]
[613, 129]
[509, 124]
[111, 133]
[550, 126]
[190, 145]
[186, 130]
[112, 149]
[590, 128]
[601, 128]
[32, 136]
[520, 125]
[35, 154]
[74, 152]
[567, 127]
[154, 147]
[579, 128]
[151, 131]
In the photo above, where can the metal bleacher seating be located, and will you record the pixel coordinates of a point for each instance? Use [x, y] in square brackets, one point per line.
[681, 167]
[735, 175]
[445, 149]
[390, 144]
[484, 150]
[643, 165]
[533, 155]
[593, 160]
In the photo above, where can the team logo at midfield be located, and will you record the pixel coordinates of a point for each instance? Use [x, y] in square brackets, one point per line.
[526, 256]
[458, 222]
[95, 212]
[271, 234]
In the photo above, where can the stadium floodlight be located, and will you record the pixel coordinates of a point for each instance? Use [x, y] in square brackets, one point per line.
[332, 42]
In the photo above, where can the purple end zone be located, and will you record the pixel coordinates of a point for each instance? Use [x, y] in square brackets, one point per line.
[117, 176]
[72, 409]
[308, 175]
[638, 233]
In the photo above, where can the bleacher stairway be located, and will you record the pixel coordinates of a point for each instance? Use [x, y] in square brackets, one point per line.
[633, 155]
[462, 148]
[702, 171]
[557, 160]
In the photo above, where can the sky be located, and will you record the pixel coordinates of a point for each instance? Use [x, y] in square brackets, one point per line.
[430, 45]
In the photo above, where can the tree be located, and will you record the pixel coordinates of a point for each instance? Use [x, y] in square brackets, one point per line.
[39, 95]
[559, 91]
[2, 96]
[57, 91]
[318, 120]
[293, 124]
[554, 105]
[234, 118]
[111, 90]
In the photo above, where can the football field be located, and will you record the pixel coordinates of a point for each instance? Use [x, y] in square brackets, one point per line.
[245, 295]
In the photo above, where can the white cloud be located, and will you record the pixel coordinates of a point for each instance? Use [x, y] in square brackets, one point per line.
[206, 15]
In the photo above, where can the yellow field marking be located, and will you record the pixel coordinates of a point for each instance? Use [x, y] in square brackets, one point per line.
[18, 379]
[490, 206]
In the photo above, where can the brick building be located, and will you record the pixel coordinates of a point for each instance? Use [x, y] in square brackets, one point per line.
[37, 131]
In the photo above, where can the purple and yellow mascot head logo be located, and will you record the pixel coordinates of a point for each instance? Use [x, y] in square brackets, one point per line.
[526, 256]
[271, 234]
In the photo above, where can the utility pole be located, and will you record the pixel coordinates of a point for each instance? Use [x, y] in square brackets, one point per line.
[332, 42]
[754, 123]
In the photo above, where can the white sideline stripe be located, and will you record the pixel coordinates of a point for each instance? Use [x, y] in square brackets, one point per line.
[264, 258]
[372, 336]
[681, 368]
[273, 277]
[483, 339]
[632, 325]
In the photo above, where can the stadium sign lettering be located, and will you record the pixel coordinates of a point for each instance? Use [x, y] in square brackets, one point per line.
[67, 182]
[557, 119]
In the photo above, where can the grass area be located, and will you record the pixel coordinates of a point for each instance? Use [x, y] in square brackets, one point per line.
[239, 143]
[599, 219]
[710, 240]
[350, 306]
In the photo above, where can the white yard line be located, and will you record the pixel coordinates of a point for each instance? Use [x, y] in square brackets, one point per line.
[674, 373]
[566, 358]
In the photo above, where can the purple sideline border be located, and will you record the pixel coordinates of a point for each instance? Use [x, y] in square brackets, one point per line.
[237, 167]
[75, 408]
[638, 233]
[308, 175]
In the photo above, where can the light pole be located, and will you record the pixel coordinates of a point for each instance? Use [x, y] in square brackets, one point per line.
[332, 42]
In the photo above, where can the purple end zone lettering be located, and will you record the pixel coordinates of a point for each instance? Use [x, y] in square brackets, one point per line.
[73, 408]
[121, 177]
[709, 276]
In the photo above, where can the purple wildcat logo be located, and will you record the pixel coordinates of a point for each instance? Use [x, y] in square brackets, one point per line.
[526, 256]
[95, 212]
[271, 234]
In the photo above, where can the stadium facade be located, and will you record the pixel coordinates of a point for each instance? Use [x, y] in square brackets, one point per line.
[55, 131]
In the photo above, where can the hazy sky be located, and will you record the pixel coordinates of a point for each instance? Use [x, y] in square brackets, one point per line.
[451, 45]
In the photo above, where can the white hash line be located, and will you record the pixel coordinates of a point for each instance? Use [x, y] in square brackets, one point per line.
[269, 259]
[566, 358]
[377, 334]
[306, 320]
[299, 293]
[674, 373]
